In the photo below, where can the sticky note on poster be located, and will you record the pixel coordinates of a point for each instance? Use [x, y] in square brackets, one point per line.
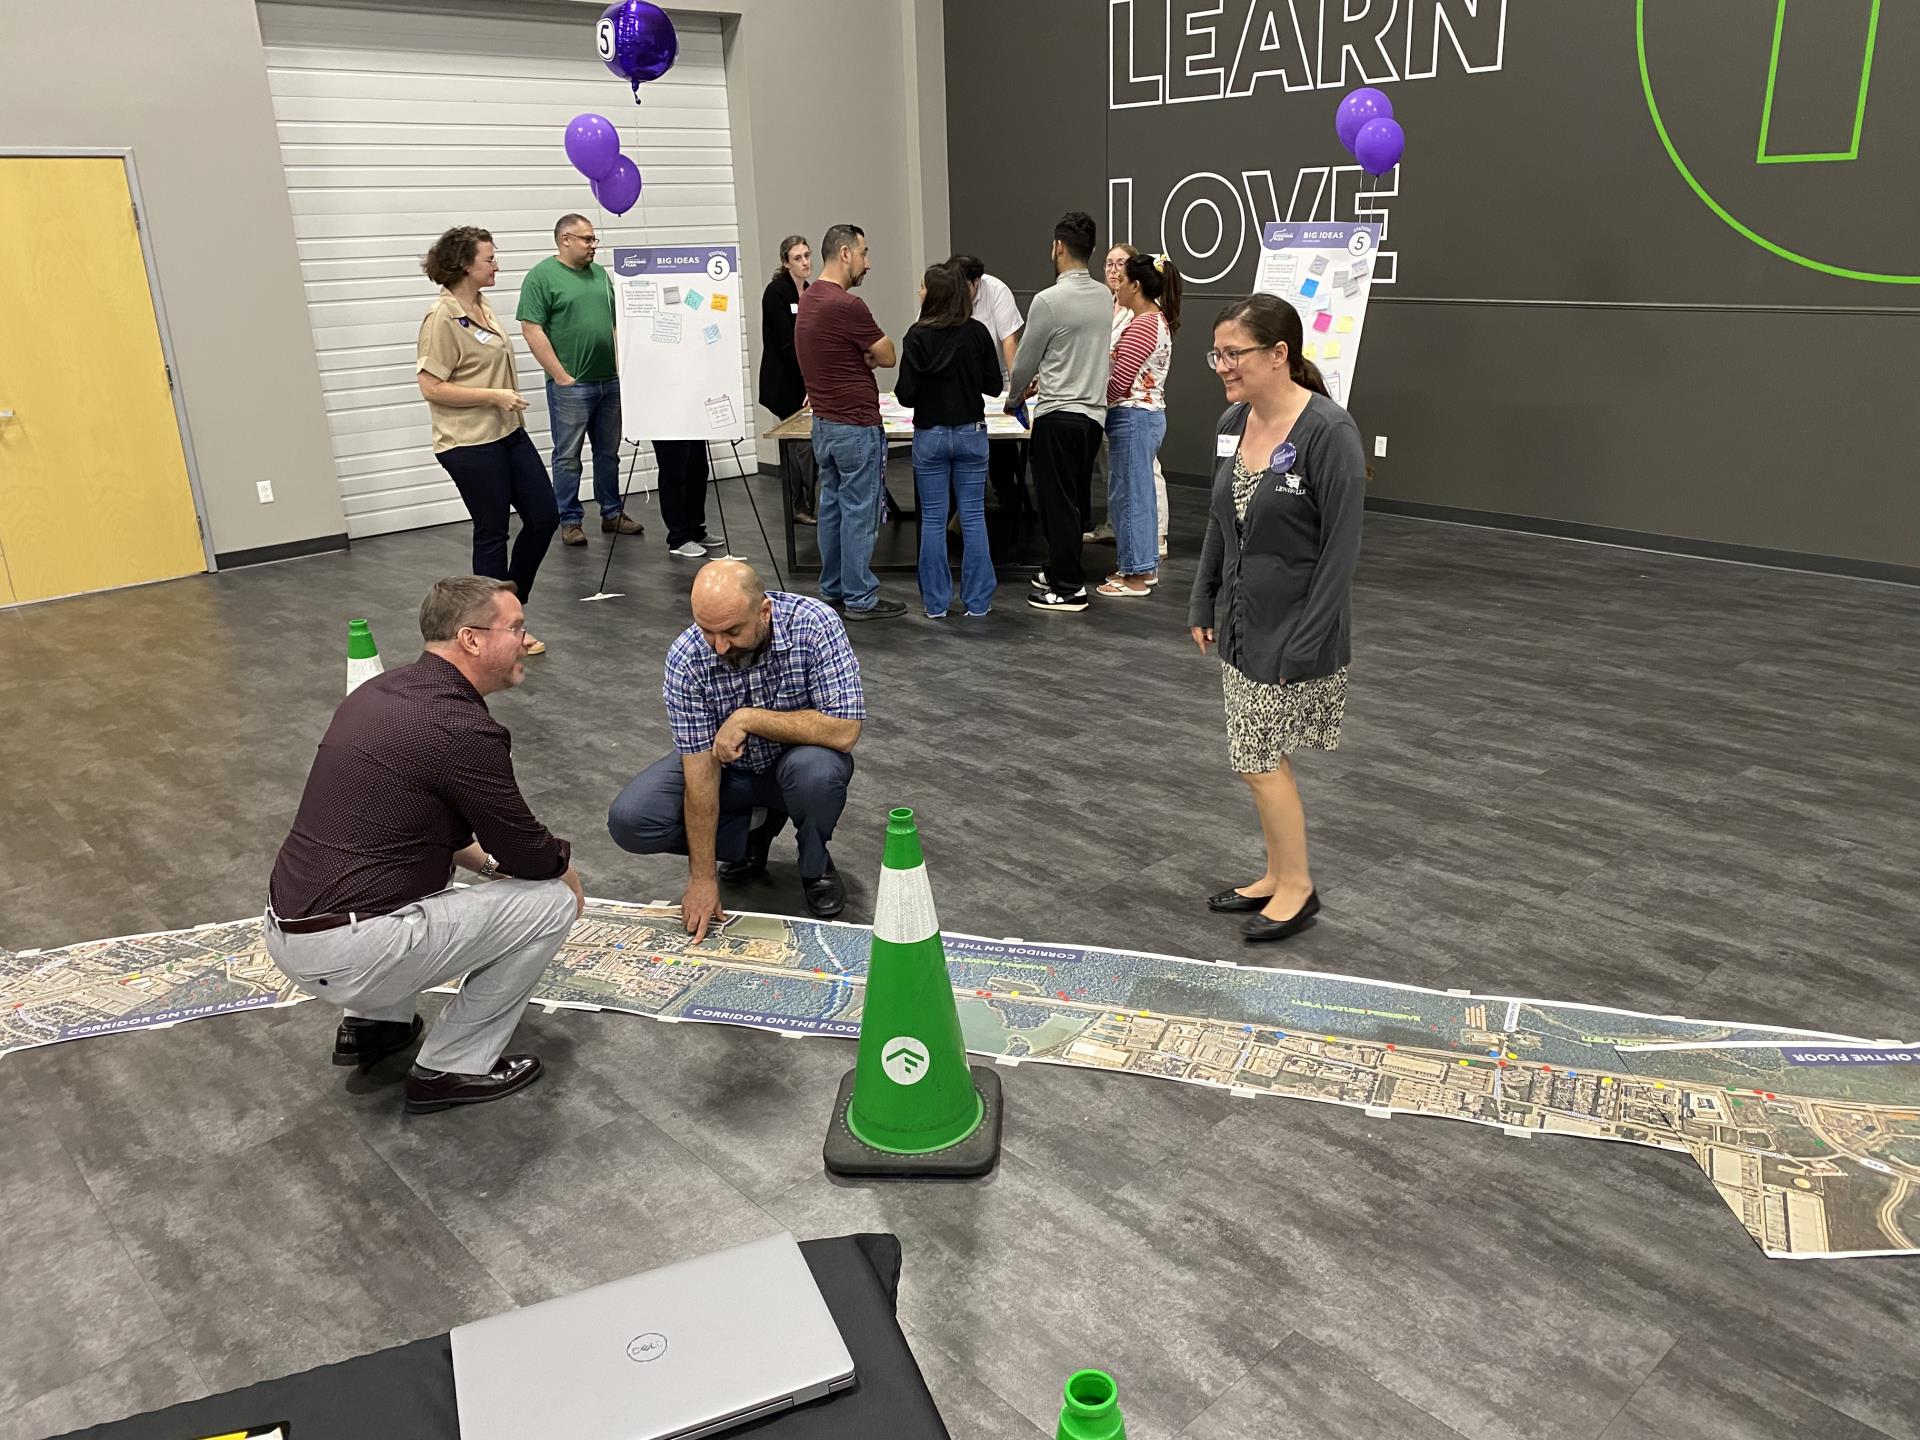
[1345, 327]
[1309, 288]
[666, 328]
[720, 410]
[1319, 265]
[694, 299]
[670, 295]
[1323, 322]
[719, 302]
[1310, 350]
[1332, 351]
[711, 334]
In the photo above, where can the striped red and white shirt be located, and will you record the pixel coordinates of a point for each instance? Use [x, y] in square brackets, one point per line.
[1142, 355]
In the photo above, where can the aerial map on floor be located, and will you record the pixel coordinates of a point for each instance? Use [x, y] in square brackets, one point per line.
[1812, 1138]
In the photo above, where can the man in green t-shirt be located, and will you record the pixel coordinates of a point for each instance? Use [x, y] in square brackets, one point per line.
[566, 315]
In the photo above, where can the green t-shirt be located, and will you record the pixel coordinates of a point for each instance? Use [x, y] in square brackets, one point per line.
[575, 308]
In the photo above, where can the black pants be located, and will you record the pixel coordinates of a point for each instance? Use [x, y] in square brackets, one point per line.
[800, 475]
[495, 479]
[1007, 473]
[683, 489]
[1064, 447]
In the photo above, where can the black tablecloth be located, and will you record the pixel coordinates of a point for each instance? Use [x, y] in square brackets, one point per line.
[407, 1393]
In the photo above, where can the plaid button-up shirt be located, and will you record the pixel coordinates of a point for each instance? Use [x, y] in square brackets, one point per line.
[810, 666]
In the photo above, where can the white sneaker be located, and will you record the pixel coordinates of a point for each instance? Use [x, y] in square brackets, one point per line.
[1103, 531]
[692, 550]
[1163, 549]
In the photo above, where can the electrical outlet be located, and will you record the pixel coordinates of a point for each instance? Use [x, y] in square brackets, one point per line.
[265, 487]
[1379, 447]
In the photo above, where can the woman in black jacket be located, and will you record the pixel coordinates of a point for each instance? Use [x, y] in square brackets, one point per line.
[781, 389]
[948, 363]
[1275, 586]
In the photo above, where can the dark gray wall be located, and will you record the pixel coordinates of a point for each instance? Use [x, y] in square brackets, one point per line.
[1573, 335]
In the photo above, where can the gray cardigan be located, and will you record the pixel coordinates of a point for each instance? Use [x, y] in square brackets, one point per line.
[1278, 590]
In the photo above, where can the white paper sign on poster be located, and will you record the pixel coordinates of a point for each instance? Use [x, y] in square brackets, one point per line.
[1325, 271]
[680, 310]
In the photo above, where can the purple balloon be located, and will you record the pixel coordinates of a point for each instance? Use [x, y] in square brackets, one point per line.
[1379, 146]
[1356, 110]
[619, 187]
[592, 145]
[637, 41]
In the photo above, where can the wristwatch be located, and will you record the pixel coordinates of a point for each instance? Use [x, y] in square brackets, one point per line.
[490, 870]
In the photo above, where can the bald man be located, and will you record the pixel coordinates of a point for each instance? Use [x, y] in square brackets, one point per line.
[764, 695]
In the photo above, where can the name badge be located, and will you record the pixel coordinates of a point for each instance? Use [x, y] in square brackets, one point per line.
[1225, 445]
[482, 337]
[795, 307]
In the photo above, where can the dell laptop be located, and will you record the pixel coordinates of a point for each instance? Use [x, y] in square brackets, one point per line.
[690, 1349]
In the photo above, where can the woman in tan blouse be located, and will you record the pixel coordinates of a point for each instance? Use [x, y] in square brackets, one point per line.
[479, 435]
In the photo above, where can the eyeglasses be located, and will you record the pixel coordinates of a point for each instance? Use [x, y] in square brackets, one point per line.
[583, 239]
[1230, 359]
[519, 627]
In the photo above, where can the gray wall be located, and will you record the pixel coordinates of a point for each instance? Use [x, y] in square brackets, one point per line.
[1573, 336]
[184, 83]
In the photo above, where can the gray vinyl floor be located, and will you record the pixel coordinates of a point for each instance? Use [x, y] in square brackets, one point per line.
[1573, 772]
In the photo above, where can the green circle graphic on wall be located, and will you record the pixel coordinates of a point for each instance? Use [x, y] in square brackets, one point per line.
[1706, 197]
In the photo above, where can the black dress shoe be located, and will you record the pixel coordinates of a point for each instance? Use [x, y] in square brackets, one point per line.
[367, 1042]
[759, 845]
[1260, 928]
[430, 1090]
[826, 896]
[1232, 902]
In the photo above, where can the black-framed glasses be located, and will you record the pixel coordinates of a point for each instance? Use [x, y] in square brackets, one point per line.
[1220, 359]
[585, 239]
[519, 627]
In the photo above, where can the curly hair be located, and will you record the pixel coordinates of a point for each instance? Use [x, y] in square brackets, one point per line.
[453, 252]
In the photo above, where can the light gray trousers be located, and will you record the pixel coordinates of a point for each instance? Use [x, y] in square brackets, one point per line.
[501, 936]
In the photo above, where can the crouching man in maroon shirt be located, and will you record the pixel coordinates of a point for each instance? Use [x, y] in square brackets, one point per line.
[414, 777]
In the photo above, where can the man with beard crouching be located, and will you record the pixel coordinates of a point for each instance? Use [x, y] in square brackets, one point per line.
[763, 693]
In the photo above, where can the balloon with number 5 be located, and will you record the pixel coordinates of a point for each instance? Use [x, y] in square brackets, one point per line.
[637, 42]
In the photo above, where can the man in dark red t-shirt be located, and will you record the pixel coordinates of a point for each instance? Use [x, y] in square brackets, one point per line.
[840, 345]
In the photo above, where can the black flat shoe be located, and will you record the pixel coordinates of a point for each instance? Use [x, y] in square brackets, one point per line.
[826, 896]
[1232, 902]
[1260, 928]
[432, 1090]
[367, 1042]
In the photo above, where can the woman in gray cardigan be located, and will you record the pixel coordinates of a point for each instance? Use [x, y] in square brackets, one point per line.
[1275, 588]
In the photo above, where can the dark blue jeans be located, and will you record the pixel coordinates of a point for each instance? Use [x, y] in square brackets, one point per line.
[853, 468]
[587, 409]
[952, 460]
[495, 479]
[807, 784]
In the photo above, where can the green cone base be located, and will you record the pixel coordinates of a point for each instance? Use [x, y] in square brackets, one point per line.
[970, 1158]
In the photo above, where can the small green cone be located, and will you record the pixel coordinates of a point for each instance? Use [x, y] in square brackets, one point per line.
[912, 1105]
[1092, 1408]
[363, 657]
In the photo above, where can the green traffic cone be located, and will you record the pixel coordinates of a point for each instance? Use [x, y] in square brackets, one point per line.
[912, 1105]
[1092, 1408]
[363, 656]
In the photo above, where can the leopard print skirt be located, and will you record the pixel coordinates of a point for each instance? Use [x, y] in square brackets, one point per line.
[1267, 723]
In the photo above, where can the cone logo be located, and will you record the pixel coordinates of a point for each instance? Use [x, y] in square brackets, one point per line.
[904, 1059]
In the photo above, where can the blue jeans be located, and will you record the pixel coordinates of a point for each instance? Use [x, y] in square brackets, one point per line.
[953, 458]
[1133, 439]
[852, 460]
[587, 408]
[807, 784]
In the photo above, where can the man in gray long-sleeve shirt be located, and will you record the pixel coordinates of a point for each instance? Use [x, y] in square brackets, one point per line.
[1066, 350]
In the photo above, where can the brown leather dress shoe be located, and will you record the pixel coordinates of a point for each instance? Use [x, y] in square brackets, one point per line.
[430, 1090]
[367, 1042]
[621, 525]
[573, 535]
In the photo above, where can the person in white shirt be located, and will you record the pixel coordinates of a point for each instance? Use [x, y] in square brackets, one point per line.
[995, 308]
